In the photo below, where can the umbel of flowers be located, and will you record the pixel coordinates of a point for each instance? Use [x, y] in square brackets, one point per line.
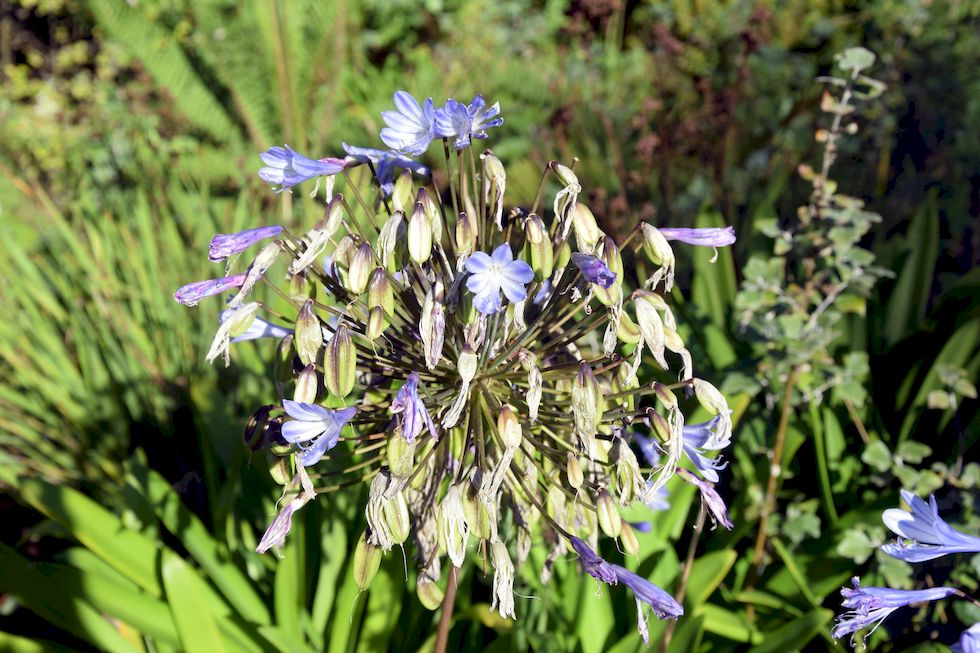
[477, 365]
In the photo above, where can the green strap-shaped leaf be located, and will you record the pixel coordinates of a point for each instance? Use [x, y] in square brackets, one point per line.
[190, 608]
[794, 635]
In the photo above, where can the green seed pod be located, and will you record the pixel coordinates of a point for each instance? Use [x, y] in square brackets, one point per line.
[542, 253]
[367, 561]
[564, 174]
[306, 385]
[309, 335]
[673, 341]
[340, 363]
[659, 425]
[333, 215]
[659, 252]
[494, 186]
[380, 292]
[666, 396]
[283, 365]
[573, 471]
[628, 537]
[587, 231]
[612, 258]
[650, 323]
[429, 593]
[564, 255]
[401, 197]
[376, 323]
[279, 469]
[609, 520]
[419, 235]
[467, 363]
[401, 456]
[627, 331]
[301, 287]
[360, 269]
[509, 427]
[241, 318]
[465, 235]
[397, 519]
[432, 214]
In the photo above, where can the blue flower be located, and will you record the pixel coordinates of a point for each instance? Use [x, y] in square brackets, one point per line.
[930, 536]
[312, 422]
[385, 162]
[275, 535]
[662, 603]
[871, 605]
[259, 328]
[287, 168]
[712, 500]
[410, 128]
[491, 274]
[457, 119]
[659, 500]
[225, 245]
[969, 641]
[192, 293]
[414, 415]
[594, 270]
[696, 440]
[710, 237]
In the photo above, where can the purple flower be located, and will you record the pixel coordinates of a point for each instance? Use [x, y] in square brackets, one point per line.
[192, 293]
[312, 422]
[871, 605]
[659, 499]
[662, 603]
[259, 328]
[276, 534]
[491, 274]
[930, 536]
[414, 415]
[696, 440]
[457, 119]
[225, 245]
[410, 128]
[716, 506]
[710, 237]
[594, 270]
[969, 641]
[287, 168]
[385, 162]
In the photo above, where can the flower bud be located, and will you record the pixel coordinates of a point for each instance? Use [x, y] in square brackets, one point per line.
[306, 385]
[401, 456]
[429, 593]
[360, 269]
[659, 252]
[340, 363]
[432, 325]
[452, 527]
[419, 235]
[397, 519]
[309, 335]
[541, 252]
[573, 471]
[628, 537]
[585, 404]
[393, 234]
[651, 326]
[401, 196]
[509, 427]
[376, 323]
[367, 561]
[609, 520]
[432, 213]
[465, 235]
[587, 231]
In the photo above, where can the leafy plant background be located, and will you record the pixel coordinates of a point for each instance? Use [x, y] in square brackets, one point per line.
[128, 136]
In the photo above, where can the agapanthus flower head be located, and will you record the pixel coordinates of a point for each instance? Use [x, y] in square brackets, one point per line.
[286, 167]
[872, 605]
[411, 127]
[926, 535]
[486, 375]
[385, 163]
[461, 122]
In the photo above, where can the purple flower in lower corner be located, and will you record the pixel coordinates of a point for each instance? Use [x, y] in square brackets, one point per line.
[463, 122]
[489, 274]
[286, 167]
[594, 270]
[225, 245]
[411, 128]
[872, 605]
[709, 237]
[926, 534]
[414, 415]
[969, 641]
[316, 425]
[192, 293]
[664, 606]
[385, 162]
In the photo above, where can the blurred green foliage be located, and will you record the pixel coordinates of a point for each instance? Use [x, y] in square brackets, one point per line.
[128, 136]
